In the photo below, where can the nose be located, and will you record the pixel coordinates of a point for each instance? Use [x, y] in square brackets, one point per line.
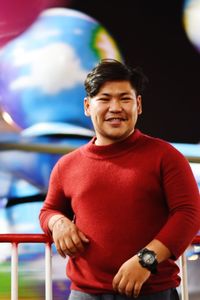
[115, 106]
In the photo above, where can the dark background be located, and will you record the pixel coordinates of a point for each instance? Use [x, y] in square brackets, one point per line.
[150, 34]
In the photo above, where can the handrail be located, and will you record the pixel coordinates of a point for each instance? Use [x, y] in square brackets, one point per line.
[183, 270]
[25, 238]
[16, 239]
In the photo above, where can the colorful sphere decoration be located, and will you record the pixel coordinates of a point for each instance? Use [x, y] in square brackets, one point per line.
[17, 15]
[43, 70]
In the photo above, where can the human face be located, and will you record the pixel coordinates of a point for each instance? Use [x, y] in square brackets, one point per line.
[113, 111]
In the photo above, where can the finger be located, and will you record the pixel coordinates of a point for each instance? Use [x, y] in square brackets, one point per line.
[122, 286]
[137, 289]
[69, 247]
[59, 250]
[116, 281]
[129, 289]
[78, 244]
[83, 237]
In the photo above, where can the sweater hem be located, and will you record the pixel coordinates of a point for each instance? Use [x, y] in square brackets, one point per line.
[146, 291]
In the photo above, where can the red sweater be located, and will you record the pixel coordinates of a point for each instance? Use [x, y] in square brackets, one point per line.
[123, 196]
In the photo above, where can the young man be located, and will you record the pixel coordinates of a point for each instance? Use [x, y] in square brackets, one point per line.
[124, 206]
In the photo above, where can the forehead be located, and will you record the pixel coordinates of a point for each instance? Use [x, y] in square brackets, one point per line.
[117, 87]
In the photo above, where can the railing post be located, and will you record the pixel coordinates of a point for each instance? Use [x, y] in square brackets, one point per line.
[14, 272]
[48, 272]
[15, 239]
[184, 279]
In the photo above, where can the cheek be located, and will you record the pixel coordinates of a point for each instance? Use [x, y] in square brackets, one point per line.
[96, 116]
[98, 112]
[133, 117]
[132, 112]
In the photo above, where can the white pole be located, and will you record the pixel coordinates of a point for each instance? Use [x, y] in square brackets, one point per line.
[184, 279]
[48, 272]
[14, 272]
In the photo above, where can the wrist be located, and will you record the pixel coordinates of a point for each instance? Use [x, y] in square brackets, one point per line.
[53, 220]
[148, 259]
[57, 221]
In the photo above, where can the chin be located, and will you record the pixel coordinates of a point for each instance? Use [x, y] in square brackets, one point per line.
[118, 137]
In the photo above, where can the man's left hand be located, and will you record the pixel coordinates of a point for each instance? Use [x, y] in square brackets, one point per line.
[130, 278]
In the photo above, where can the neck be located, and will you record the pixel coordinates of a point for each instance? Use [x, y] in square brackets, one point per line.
[104, 142]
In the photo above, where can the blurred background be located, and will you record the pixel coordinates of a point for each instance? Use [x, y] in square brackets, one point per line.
[162, 37]
[46, 49]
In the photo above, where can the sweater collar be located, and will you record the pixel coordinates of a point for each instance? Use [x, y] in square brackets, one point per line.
[115, 149]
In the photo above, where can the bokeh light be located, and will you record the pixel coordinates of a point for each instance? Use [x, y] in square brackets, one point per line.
[191, 21]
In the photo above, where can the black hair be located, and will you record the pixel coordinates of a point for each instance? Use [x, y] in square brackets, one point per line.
[113, 70]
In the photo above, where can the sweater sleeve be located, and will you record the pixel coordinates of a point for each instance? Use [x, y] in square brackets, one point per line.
[183, 200]
[56, 202]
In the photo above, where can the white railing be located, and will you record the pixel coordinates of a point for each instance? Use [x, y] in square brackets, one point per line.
[184, 277]
[15, 240]
[183, 271]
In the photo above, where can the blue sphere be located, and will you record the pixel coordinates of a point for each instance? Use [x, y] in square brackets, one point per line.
[42, 72]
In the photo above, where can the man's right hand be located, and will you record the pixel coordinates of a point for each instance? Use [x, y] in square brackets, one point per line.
[68, 239]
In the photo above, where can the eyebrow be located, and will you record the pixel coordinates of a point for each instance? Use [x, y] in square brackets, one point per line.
[120, 94]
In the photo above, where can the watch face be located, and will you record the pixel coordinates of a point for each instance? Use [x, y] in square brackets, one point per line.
[148, 258]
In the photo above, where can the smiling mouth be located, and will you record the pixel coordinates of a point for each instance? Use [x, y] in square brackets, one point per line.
[116, 122]
[115, 119]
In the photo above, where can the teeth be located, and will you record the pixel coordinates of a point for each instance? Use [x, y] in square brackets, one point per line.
[118, 119]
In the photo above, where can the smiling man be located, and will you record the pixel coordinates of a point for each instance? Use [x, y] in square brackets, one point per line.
[126, 205]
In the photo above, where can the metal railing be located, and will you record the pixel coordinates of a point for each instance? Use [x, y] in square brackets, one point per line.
[183, 271]
[16, 239]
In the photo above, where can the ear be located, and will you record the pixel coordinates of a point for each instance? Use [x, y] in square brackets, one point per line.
[87, 106]
[139, 104]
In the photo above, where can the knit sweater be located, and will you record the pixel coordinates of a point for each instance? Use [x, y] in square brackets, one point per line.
[123, 196]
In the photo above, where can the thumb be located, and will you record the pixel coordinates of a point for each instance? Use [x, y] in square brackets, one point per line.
[83, 237]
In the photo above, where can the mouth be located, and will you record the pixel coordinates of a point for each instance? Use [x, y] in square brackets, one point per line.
[117, 121]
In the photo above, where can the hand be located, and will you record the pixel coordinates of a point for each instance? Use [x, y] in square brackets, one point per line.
[130, 278]
[68, 239]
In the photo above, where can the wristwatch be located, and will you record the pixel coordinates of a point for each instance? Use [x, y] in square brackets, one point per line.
[147, 259]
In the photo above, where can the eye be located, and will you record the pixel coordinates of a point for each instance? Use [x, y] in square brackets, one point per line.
[103, 99]
[126, 99]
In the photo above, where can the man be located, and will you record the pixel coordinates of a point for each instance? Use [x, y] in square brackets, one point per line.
[124, 206]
